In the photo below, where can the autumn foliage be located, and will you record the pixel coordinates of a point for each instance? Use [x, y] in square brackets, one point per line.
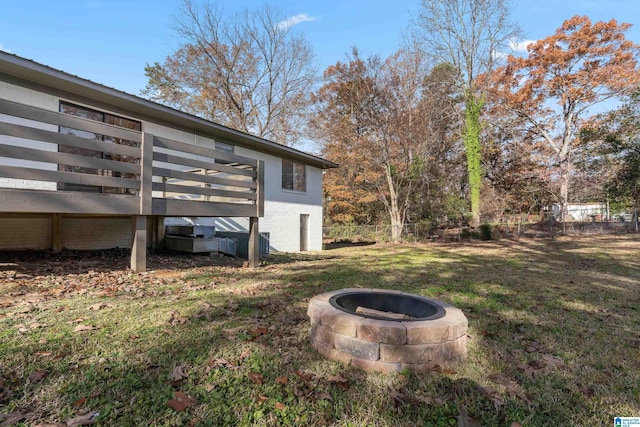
[564, 75]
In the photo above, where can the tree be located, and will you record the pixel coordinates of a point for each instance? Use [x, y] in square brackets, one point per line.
[250, 71]
[388, 126]
[468, 35]
[564, 75]
[616, 139]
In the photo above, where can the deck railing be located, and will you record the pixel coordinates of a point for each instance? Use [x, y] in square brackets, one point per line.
[116, 171]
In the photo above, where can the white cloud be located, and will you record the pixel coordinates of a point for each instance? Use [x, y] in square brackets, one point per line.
[295, 20]
[515, 46]
[520, 46]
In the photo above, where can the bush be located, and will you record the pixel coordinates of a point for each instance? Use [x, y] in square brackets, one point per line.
[485, 231]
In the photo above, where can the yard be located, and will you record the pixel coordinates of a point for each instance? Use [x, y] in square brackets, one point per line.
[554, 337]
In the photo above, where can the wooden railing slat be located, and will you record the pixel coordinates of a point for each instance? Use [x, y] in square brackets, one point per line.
[177, 160]
[67, 159]
[55, 118]
[194, 176]
[203, 191]
[202, 151]
[67, 177]
[26, 132]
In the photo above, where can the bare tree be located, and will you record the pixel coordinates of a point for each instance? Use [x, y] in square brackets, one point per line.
[468, 34]
[250, 71]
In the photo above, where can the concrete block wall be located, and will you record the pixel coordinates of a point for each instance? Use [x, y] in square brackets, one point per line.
[77, 233]
[96, 233]
[25, 233]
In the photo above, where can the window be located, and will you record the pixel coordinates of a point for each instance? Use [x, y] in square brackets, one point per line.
[88, 113]
[293, 176]
[225, 148]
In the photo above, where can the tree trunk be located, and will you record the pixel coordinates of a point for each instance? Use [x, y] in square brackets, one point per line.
[471, 138]
[394, 210]
[564, 188]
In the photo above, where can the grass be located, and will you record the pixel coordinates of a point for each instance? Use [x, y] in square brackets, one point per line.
[554, 338]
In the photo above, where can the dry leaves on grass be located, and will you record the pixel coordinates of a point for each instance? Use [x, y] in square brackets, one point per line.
[220, 363]
[83, 420]
[464, 420]
[255, 377]
[181, 401]
[14, 417]
[37, 376]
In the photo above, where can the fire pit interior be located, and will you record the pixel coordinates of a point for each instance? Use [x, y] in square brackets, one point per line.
[386, 330]
[387, 306]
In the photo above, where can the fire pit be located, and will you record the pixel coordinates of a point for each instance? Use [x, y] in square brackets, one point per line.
[386, 330]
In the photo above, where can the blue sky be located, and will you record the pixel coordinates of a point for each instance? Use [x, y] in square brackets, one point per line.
[110, 41]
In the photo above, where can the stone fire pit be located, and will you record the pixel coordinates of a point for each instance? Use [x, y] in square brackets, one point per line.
[386, 330]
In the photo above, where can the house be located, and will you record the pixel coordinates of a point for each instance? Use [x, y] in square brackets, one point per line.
[582, 211]
[85, 166]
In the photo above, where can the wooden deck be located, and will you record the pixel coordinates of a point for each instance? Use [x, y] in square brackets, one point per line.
[122, 172]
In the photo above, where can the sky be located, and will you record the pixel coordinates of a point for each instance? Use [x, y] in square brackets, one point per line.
[111, 41]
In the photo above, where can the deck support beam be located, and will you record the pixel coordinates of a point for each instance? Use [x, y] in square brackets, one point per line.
[139, 243]
[56, 233]
[254, 243]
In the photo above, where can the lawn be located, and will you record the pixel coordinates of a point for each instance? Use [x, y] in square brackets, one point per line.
[554, 337]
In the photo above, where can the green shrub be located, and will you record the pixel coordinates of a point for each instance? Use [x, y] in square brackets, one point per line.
[485, 231]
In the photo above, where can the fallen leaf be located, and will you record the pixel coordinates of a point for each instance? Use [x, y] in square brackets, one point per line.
[82, 328]
[176, 319]
[83, 420]
[339, 380]
[221, 363]
[257, 333]
[96, 307]
[181, 401]
[42, 353]
[464, 420]
[492, 395]
[80, 401]
[324, 396]
[423, 399]
[37, 376]
[398, 397]
[209, 387]
[177, 374]
[516, 424]
[552, 360]
[14, 417]
[304, 376]
[255, 378]
[282, 380]
[263, 398]
[280, 406]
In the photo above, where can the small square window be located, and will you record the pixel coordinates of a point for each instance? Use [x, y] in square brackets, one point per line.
[293, 176]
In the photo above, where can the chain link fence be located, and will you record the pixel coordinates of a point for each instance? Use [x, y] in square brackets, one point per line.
[507, 227]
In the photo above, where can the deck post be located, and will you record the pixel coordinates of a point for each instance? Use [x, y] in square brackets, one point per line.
[56, 233]
[139, 244]
[157, 232]
[146, 179]
[254, 243]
